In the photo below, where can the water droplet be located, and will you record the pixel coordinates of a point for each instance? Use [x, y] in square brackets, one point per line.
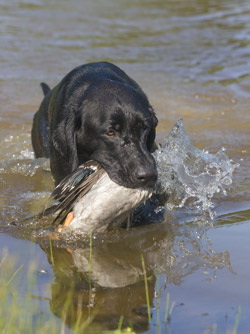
[191, 177]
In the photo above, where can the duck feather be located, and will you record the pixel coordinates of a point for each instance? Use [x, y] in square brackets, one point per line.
[72, 188]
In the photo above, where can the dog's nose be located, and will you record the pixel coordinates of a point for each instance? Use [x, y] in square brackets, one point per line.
[146, 177]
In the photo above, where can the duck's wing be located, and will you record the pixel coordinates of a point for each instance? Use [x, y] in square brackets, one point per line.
[73, 186]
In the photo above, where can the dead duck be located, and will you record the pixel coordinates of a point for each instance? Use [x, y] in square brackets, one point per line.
[88, 200]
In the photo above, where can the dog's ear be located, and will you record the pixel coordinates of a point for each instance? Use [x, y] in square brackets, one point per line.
[64, 141]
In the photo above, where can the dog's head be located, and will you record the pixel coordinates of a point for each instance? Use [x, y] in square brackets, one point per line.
[115, 125]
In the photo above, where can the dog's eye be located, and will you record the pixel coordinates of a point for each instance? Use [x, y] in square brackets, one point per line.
[111, 133]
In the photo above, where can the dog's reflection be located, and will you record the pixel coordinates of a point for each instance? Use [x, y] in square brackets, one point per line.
[112, 283]
[116, 286]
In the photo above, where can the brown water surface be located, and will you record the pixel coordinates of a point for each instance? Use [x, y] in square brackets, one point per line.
[192, 58]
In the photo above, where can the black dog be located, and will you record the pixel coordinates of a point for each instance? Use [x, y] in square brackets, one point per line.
[97, 112]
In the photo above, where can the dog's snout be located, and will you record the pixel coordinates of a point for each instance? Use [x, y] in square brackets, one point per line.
[146, 177]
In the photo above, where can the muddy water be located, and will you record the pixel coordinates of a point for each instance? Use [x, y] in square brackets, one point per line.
[192, 59]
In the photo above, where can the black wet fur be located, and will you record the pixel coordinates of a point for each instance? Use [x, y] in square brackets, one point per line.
[45, 88]
[97, 112]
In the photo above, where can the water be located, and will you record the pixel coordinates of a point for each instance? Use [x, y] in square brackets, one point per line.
[190, 177]
[192, 60]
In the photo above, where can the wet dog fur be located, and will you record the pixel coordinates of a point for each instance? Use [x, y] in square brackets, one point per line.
[97, 112]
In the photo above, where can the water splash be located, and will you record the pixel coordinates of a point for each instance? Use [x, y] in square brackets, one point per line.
[189, 176]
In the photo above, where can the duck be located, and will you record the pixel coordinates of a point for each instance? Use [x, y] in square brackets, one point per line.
[88, 200]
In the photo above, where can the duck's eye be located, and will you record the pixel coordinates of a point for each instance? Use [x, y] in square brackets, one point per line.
[111, 133]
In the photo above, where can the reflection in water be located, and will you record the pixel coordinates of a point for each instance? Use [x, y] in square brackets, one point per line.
[117, 286]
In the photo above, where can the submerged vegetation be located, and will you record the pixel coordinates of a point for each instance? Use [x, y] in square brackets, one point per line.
[24, 310]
